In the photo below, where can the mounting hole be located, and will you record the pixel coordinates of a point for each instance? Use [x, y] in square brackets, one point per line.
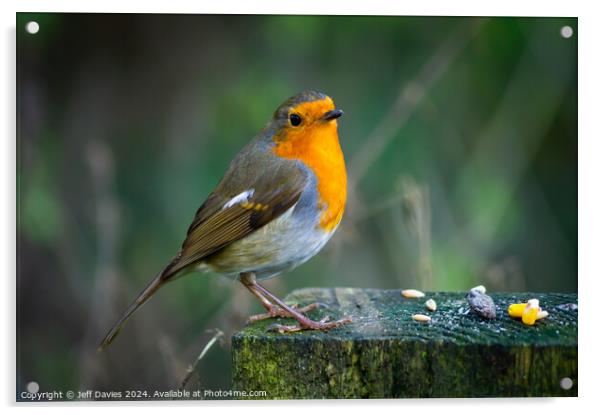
[566, 383]
[566, 32]
[32, 27]
[33, 387]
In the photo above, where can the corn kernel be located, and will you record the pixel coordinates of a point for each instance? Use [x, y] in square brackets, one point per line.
[533, 302]
[431, 305]
[530, 314]
[516, 310]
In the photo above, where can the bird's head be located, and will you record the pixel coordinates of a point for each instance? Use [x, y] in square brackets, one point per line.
[304, 115]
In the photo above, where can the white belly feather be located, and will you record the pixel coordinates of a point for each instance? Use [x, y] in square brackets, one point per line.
[282, 244]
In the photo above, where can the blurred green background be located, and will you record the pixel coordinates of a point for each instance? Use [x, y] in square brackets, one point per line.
[460, 136]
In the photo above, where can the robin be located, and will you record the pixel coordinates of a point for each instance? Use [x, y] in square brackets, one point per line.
[279, 202]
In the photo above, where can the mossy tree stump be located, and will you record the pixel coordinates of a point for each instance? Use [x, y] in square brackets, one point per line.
[384, 353]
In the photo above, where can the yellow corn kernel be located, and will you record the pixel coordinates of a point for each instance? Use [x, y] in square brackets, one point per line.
[530, 313]
[530, 316]
[516, 310]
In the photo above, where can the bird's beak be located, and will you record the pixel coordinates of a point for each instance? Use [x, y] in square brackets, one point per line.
[332, 115]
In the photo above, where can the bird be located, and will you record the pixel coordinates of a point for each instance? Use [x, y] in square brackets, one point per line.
[279, 202]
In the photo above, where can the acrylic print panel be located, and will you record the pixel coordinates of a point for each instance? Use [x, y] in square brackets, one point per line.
[428, 154]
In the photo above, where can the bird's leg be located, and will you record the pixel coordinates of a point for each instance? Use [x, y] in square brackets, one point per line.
[248, 280]
[305, 323]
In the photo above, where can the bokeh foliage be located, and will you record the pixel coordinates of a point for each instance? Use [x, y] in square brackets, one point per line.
[126, 123]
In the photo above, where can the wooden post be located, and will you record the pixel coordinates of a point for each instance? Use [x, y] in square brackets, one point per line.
[386, 354]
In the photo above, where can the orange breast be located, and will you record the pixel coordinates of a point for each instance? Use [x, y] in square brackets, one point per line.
[318, 148]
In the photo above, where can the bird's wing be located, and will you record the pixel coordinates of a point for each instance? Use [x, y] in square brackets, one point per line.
[225, 218]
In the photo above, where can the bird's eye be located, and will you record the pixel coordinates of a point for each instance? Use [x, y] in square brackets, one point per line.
[295, 119]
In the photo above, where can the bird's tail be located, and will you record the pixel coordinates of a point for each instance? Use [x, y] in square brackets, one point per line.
[147, 293]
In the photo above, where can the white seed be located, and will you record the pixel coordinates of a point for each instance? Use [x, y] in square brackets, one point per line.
[533, 303]
[542, 314]
[421, 317]
[412, 293]
[479, 288]
[431, 305]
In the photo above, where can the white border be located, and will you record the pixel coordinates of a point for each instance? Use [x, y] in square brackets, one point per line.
[590, 201]
[344, 7]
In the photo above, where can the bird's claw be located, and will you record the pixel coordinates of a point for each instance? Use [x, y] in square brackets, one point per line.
[275, 311]
[323, 324]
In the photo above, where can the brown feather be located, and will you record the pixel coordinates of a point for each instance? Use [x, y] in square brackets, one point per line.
[229, 225]
[147, 293]
[215, 227]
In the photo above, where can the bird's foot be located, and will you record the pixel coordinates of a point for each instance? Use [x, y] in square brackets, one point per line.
[275, 311]
[307, 324]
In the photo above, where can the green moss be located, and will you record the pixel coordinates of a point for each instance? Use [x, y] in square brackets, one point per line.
[385, 354]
